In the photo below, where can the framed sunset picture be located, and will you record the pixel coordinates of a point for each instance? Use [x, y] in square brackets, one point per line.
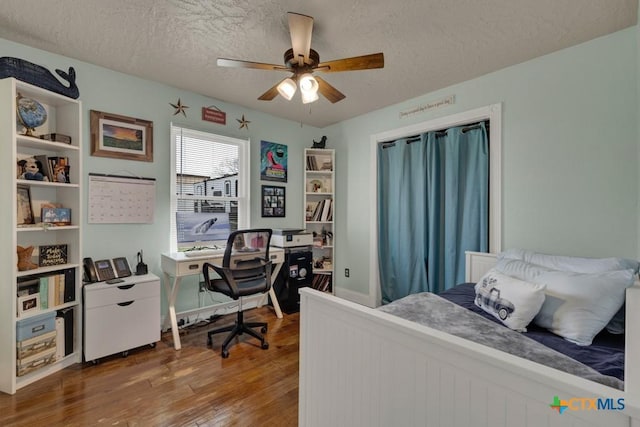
[121, 137]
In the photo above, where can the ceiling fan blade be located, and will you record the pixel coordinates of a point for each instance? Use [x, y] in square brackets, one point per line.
[269, 94]
[236, 63]
[365, 62]
[272, 92]
[300, 28]
[328, 91]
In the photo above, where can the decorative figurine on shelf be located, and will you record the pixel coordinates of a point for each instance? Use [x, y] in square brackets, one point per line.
[31, 114]
[321, 143]
[32, 169]
[39, 76]
[24, 258]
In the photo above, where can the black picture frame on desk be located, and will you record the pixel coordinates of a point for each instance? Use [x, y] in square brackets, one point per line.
[273, 201]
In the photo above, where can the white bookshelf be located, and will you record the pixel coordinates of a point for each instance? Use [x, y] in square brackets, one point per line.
[319, 204]
[64, 116]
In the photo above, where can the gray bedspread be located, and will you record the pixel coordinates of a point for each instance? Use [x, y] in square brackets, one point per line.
[436, 312]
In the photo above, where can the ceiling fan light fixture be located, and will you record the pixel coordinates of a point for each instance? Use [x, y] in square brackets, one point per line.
[309, 96]
[308, 84]
[287, 88]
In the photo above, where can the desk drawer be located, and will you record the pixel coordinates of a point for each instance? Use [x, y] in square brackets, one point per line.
[118, 293]
[277, 257]
[194, 266]
[186, 268]
[116, 328]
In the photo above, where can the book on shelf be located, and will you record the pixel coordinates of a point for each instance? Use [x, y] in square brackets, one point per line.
[60, 342]
[45, 168]
[67, 315]
[321, 282]
[326, 210]
[319, 162]
[55, 288]
[319, 211]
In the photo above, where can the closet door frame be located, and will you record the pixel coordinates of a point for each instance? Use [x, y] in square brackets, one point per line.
[492, 113]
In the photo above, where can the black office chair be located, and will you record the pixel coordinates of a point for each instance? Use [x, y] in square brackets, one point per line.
[245, 270]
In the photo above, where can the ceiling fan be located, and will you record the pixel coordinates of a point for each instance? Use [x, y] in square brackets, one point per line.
[302, 61]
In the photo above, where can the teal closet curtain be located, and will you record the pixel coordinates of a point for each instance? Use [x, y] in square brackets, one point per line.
[432, 207]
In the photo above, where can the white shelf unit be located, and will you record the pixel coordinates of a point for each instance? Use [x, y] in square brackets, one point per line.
[64, 116]
[319, 208]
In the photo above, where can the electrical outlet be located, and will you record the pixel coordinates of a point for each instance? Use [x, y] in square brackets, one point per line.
[346, 272]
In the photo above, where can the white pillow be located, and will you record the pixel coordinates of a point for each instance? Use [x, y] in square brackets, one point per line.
[577, 305]
[514, 302]
[570, 263]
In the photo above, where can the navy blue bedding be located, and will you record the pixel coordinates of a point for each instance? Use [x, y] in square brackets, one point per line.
[605, 354]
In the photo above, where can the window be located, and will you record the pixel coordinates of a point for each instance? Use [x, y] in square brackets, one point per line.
[204, 166]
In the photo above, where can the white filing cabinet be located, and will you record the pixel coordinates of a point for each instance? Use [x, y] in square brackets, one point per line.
[121, 316]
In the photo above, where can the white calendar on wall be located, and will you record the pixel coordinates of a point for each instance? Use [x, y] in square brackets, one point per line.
[121, 200]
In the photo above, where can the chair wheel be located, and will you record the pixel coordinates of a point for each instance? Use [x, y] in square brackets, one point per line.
[225, 354]
[263, 330]
[265, 345]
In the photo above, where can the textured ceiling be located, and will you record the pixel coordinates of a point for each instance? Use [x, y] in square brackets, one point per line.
[427, 44]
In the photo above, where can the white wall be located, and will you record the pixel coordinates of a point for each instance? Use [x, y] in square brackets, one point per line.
[569, 150]
[105, 90]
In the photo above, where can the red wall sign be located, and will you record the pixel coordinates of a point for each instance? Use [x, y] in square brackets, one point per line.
[213, 114]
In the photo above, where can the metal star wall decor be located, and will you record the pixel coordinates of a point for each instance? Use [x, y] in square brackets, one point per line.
[244, 123]
[179, 108]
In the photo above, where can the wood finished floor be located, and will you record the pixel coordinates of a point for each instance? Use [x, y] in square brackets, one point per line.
[164, 387]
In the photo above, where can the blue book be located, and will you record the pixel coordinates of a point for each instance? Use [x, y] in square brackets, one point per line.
[44, 293]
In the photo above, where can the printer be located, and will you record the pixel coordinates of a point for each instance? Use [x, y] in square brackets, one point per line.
[291, 237]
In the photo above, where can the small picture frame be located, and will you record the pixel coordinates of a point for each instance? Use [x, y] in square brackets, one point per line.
[121, 137]
[56, 216]
[25, 211]
[28, 304]
[273, 201]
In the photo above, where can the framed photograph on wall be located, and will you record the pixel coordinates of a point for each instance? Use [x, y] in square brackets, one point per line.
[273, 201]
[121, 137]
[25, 211]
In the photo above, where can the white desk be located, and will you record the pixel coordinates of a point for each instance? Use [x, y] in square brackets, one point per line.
[177, 265]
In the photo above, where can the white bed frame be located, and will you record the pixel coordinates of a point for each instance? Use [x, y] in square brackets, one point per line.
[364, 367]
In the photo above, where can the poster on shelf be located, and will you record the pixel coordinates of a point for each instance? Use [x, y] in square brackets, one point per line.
[273, 161]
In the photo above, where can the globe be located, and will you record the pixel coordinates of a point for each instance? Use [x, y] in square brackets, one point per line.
[31, 114]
